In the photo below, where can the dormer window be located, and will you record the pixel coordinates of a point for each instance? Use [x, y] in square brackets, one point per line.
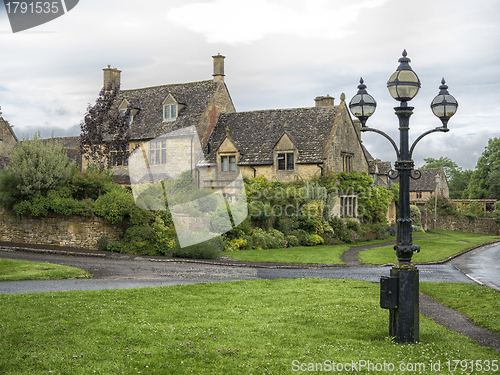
[286, 161]
[123, 113]
[169, 112]
[228, 163]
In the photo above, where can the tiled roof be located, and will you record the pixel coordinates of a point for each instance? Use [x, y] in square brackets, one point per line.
[8, 127]
[148, 122]
[72, 147]
[256, 133]
[427, 182]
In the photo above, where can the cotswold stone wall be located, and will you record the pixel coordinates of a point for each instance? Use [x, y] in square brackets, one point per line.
[56, 229]
[481, 225]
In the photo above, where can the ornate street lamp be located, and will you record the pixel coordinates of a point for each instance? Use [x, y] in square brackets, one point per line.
[400, 292]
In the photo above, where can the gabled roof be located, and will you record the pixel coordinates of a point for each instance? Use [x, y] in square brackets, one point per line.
[427, 181]
[7, 126]
[148, 122]
[256, 133]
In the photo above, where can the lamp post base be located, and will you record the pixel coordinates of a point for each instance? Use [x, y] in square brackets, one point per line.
[404, 319]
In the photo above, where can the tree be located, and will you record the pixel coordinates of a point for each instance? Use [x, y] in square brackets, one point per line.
[36, 167]
[458, 184]
[484, 180]
[449, 166]
[105, 129]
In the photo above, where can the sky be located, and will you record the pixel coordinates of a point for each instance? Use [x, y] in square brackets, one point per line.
[279, 54]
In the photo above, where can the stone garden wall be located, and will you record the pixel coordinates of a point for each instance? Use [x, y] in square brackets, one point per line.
[56, 229]
[481, 225]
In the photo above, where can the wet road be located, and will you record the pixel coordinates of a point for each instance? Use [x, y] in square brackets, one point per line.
[135, 272]
[482, 265]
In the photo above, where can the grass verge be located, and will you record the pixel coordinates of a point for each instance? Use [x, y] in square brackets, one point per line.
[22, 270]
[480, 304]
[248, 327]
[321, 254]
[432, 249]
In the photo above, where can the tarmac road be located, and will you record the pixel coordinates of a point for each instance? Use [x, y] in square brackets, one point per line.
[482, 265]
[123, 271]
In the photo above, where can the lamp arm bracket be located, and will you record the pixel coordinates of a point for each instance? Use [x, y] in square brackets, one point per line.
[367, 129]
[440, 129]
[415, 174]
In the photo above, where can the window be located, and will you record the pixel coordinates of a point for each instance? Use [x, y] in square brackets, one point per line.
[419, 195]
[228, 163]
[158, 152]
[286, 161]
[123, 113]
[347, 162]
[169, 112]
[348, 206]
[119, 158]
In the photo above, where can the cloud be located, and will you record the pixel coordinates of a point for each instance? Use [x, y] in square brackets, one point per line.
[229, 21]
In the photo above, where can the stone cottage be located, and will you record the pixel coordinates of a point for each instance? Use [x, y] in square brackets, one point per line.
[425, 187]
[285, 144]
[159, 111]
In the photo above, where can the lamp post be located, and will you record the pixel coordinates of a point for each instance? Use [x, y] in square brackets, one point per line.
[436, 202]
[400, 292]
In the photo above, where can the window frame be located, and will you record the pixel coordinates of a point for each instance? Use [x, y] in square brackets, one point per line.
[157, 152]
[228, 163]
[285, 161]
[172, 112]
[119, 160]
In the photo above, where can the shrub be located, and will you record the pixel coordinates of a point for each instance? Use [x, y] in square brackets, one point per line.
[304, 237]
[38, 166]
[103, 243]
[89, 183]
[330, 240]
[210, 249]
[339, 230]
[235, 244]
[415, 216]
[353, 237]
[291, 240]
[317, 239]
[352, 225]
[114, 206]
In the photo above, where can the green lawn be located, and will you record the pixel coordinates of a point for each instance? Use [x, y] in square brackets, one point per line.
[21, 270]
[431, 249]
[479, 303]
[321, 254]
[247, 327]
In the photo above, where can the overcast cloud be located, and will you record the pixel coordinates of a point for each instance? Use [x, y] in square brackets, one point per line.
[280, 54]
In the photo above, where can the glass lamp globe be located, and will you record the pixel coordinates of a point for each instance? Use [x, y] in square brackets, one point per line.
[362, 105]
[444, 105]
[403, 84]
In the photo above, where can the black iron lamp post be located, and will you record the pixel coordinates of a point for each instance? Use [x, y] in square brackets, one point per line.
[400, 292]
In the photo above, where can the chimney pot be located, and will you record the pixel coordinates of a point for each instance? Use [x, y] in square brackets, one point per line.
[218, 68]
[324, 101]
[111, 77]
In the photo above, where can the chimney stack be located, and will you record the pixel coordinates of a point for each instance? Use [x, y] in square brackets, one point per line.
[218, 68]
[111, 77]
[324, 101]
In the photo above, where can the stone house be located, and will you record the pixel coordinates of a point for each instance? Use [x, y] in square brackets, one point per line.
[7, 142]
[285, 144]
[159, 111]
[425, 187]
